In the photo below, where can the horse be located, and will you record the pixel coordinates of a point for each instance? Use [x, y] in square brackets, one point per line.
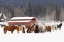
[41, 27]
[53, 27]
[48, 28]
[59, 26]
[27, 26]
[28, 30]
[30, 27]
[21, 28]
[36, 29]
[11, 28]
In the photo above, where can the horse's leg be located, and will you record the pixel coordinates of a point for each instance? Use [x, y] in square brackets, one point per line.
[12, 31]
[17, 30]
[23, 31]
[53, 29]
[56, 28]
[5, 31]
[60, 28]
[41, 31]
[44, 30]
[49, 31]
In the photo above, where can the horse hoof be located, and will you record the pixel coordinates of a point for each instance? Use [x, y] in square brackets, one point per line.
[18, 32]
[55, 29]
[59, 29]
[4, 32]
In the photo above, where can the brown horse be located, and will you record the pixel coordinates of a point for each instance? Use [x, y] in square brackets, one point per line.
[10, 28]
[48, 28]
[30, 28]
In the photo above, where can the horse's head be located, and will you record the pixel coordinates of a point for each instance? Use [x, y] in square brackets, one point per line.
[61, 24]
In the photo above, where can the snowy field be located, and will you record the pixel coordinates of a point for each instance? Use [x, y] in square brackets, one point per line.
[54, 36]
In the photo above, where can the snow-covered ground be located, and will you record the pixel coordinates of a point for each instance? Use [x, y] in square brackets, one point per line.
[54, 36]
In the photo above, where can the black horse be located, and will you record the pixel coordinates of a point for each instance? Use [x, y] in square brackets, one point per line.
[59, 26]
[36, 29]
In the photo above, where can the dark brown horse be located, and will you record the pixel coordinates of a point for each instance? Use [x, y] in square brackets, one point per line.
[11, 28]
[30, 28]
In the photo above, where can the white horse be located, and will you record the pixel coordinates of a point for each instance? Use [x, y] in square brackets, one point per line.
[53, 27]
[41, 27]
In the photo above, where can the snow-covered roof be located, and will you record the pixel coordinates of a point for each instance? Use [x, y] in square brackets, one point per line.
[21, 18]
[20, 21]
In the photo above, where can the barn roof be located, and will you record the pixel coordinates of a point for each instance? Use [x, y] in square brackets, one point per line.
[21, 18]
[20, 21]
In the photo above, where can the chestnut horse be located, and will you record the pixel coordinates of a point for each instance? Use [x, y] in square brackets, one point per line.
[11, 28]
[48, 28]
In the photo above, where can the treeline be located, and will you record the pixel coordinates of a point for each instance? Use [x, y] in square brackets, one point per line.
[31, 9]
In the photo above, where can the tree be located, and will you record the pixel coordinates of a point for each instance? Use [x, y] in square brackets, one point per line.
[12, 10]
[57, 14]
[44, 11]
[28, 11]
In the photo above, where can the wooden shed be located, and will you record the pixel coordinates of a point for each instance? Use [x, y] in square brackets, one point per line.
[22, 21]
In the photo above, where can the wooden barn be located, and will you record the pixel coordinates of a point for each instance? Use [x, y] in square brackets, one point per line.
[22, 21]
